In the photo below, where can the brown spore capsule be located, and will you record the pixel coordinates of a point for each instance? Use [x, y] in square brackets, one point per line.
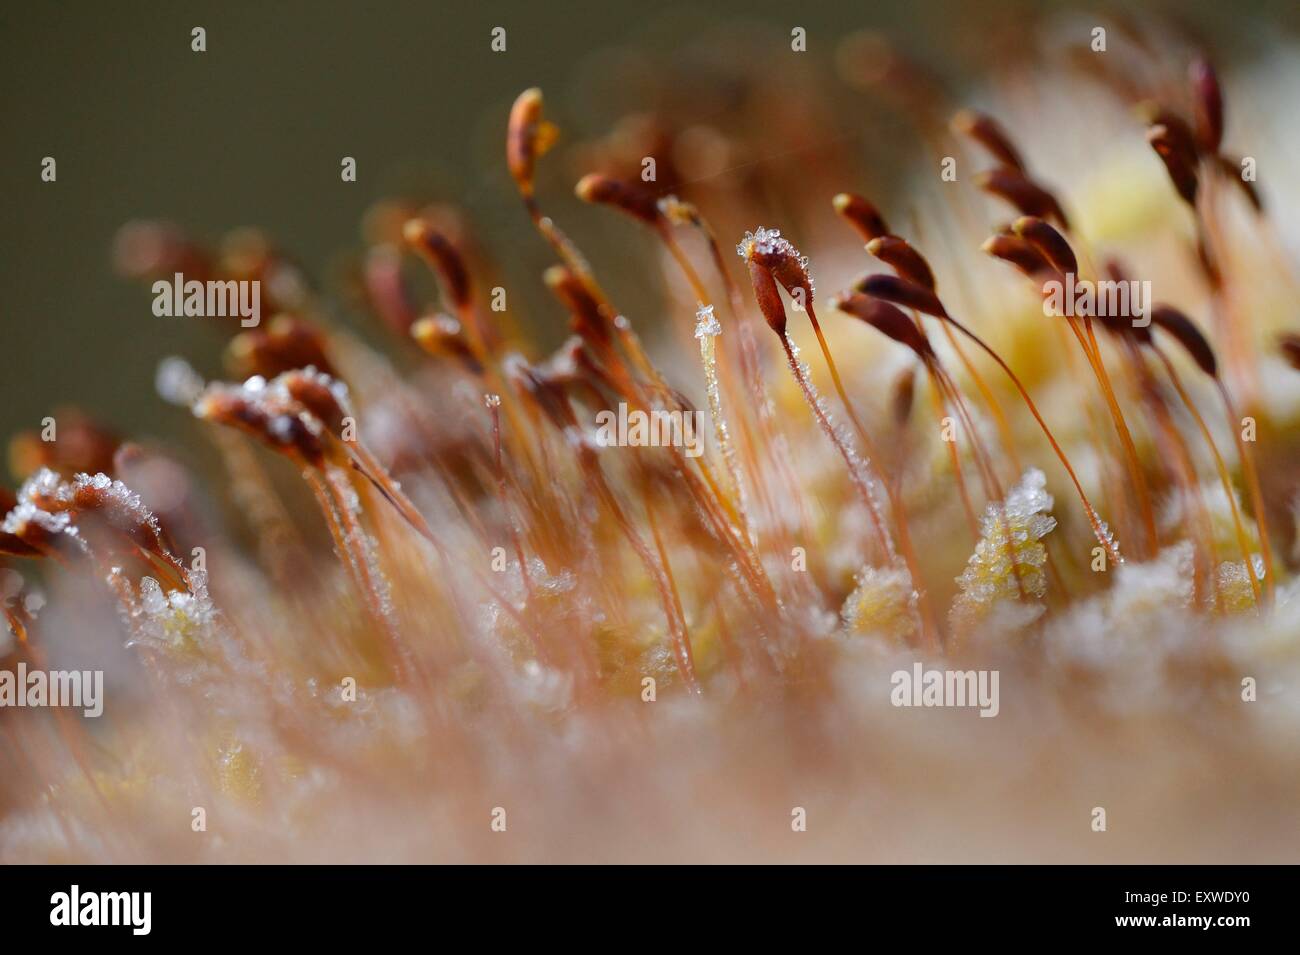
[899, 255]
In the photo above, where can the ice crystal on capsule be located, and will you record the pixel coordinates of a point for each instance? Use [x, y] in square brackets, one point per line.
[882, 604]
[1010, 556]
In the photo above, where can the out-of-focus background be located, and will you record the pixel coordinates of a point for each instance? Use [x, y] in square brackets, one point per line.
[252, 131]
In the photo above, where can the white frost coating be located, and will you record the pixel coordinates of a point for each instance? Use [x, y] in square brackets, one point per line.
[337, 389]
[152, 599]
[168, 617]
[1108, 539]
[42, 502]
[171, 617]
[1008, 558]
[25, 513]
[860, 467]
[706, 323]
[1233, 589]
[44, 485]
[274, 401]
[273, 397]
[884, 603]
[122, 505]
[770, 242]
[707, 328]
[361, 543]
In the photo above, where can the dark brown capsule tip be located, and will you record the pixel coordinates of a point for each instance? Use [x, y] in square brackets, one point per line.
[286, 343]
[885, 318]
[1018, 252]
[1289, 346]
[285, 431]
[1207, 103]
[587, 318]
[313, 392]
[443, 337]
[635, 202]
[1121, 326]
[1189, 336]
[436, 249]
[903, 259]
[522, 139]
[218, 405]
[1026, 195]
[861, 214]
[569, 289]
[1179, 159]
[1232, 170]
[900, 291]
[1048, 241]
[988, 133]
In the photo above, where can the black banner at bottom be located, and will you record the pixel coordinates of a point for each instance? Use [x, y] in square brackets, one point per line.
[338, 904]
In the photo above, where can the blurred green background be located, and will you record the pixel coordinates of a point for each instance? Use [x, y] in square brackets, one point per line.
[251, 133]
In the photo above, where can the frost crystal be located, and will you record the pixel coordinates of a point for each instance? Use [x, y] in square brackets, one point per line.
[280, 391]
[706, 324]
[122, 506]
[1009, 557]
[782, 260]
[883, 604]
[1234, 593]
[172, 618]
[862, 469]
[707, 329]
[42, 502]
[769, 242]
[28, 513]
